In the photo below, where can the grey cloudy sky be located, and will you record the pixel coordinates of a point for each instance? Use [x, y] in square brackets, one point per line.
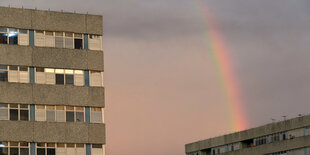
[161, 91]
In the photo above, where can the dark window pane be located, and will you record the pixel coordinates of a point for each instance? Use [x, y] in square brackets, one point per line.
[80, 116]
[13, 39]
[13, 114]
[39, 69]
[13, 151]
[40, 151]
[3, 76]
[69, 79]
[24, 115]
[4, 151]
[50, 151]
[24, 151]
[23, 68]
[78, 43]
[15, 68]
[3, 38]
[70, 116]
[59, 79]
[2, 67]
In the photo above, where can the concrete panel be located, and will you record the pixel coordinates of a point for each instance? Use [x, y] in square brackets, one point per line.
[15, 93]
[95, 60]
[16, 18]
[49, 94]
[76, 95]
[15, 55]
[96, 96]
[16, 131]
[50, 20]
[59, 58]
[77, 132]
[94, 23]
[51, 57]
[96, 133]
[68, 132]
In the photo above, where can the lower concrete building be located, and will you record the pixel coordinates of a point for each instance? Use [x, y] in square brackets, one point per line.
[289, 137]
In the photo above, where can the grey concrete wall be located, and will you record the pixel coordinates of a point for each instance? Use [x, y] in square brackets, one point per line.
[249, 134]
[51, 94]
[50, 20]
[53, 132]
[51, 57]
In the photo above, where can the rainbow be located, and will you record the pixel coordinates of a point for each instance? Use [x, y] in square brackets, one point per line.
[225, 72]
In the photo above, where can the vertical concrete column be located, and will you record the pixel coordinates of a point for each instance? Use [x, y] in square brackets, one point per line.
[87, 114]
[32, 112]
[86, 41]
[31, 75]
[86, 77]
[31, 37]
[32, 148]
[88, 149]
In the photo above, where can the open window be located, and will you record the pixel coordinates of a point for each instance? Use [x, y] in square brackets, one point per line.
[3, 73]
[78, 41]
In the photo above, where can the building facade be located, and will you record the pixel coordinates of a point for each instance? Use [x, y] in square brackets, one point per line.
[289, 137]
[51, 83]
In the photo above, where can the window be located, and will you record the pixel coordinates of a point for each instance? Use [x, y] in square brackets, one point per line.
[96, 115]
[40, 75]
[59, 40]
[78, 41]
[50, 113]
[3, 73]
[95, 42]
[49, 76]
[13, 36]
[51, 150]
[60, 79]
[24, 112]
[97, 149]
[41, 148]
[60, 113]
[68, 40]
[40, 113]
[79, 113]
[78, 78]
[4, 111]
[18, 74]
[13, 111]
[39, 38]
[61, 149]
[23, 37]
[3, 36]
[69, 77]
[14, 148]
[59, 76]
[96, 78]
[69, 113]
[49, 39]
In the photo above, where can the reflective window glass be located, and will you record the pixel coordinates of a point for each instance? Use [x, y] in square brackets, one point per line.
[3, 38]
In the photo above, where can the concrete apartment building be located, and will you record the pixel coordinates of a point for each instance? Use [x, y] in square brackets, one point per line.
[289, 137]
[51, 83]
